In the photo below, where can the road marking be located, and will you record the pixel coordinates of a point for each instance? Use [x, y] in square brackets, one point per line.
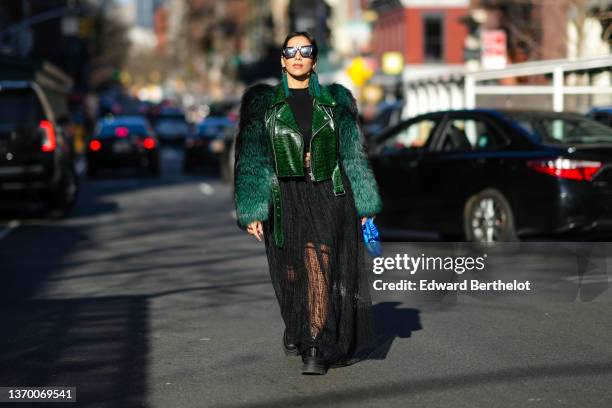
[80, 166]
[11, 226]
[589, 279]
[206, 189]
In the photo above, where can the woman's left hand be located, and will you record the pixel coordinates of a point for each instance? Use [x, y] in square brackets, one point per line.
[363, 219]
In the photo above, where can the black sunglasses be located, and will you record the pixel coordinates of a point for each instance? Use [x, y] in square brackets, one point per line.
[306, 51]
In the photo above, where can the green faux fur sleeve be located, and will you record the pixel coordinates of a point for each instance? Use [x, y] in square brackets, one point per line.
[253, 167]
[352, 154]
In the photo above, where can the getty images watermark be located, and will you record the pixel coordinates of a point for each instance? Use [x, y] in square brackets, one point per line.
[454, 264]
[524, 271]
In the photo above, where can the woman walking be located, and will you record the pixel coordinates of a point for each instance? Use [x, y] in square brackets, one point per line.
[303, 182]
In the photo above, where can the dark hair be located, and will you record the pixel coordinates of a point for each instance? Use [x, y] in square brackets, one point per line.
[315, 48]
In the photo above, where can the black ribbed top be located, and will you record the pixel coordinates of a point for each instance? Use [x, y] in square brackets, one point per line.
[300, 102]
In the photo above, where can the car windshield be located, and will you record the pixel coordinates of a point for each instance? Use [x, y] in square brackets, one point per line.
[563, 129]
[383, 117]
[18, 107]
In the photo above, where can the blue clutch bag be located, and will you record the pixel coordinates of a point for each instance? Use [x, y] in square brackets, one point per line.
[370, 238]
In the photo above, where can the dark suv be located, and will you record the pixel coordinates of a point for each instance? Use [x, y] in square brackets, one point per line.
[36, 163]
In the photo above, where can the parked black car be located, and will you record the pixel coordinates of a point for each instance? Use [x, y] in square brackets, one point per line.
[492, 175]
[207, 145]
[36, 164]
[602, 114]
[172, 127]
[123, 141]
[389, 114]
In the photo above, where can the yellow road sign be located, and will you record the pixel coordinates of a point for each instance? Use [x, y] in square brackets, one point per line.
[359, 71]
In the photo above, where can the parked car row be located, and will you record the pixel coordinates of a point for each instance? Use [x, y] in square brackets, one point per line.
[130, 140]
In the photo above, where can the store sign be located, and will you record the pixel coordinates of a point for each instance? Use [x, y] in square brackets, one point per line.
[494, 51]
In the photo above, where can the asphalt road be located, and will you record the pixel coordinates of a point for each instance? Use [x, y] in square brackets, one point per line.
[148, 295]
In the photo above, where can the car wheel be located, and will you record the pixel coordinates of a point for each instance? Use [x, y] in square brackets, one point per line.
[488, 217]
[62, 200]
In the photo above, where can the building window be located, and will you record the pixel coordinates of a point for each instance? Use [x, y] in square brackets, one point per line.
[433, 38]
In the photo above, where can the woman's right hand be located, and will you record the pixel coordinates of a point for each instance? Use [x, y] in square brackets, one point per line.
[256, 229]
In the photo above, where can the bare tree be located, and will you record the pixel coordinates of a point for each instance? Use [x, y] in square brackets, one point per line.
[111, 51]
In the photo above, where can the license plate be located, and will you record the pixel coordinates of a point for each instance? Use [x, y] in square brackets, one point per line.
[121, 147]
[216, 146]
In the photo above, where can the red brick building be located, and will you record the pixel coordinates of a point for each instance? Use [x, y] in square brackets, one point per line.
[426, 32]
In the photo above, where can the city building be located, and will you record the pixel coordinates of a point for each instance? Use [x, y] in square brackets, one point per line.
[421, 37]
[425, 32]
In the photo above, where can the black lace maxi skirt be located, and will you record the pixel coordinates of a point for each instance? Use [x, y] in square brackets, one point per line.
[319, 275]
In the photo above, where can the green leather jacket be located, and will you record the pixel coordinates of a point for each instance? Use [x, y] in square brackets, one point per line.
[269, 146]
[287, 141]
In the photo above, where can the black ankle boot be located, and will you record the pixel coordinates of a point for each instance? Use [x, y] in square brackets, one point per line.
[291, 349]
[313, 362]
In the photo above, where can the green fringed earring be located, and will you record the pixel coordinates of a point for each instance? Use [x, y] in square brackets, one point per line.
[284, 82]
[313, 84]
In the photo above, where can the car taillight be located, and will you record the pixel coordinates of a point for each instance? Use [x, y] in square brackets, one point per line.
[49, 142]
[148, 143]
[95, 145]
[566, 168]
[121, 131]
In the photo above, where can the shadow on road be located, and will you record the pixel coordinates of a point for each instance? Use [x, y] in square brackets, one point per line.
[98, 345]
[360, 395]
[391, 323]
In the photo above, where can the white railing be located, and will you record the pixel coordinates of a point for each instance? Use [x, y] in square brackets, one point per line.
[442, 88]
